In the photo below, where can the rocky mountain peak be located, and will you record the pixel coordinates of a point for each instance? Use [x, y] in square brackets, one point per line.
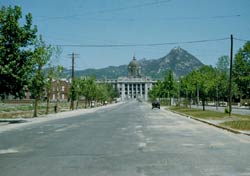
[178, 60]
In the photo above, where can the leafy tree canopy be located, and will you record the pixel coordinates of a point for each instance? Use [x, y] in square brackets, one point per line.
[222, 64]
[241, 70]
[16, 53]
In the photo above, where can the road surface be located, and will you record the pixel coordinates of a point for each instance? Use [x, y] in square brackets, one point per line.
[129, 139]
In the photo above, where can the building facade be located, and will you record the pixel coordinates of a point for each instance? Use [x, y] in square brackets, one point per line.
[134, 86]
[60, 90]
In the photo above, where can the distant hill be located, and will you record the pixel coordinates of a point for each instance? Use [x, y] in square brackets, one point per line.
[178, 60]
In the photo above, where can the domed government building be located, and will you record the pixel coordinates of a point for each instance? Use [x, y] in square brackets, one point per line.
[134, 86]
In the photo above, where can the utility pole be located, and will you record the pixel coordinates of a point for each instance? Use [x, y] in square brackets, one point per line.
[230, 78]
[198, 95]
[73, 65]
[72, 98]
[217, 97]
[72, 82]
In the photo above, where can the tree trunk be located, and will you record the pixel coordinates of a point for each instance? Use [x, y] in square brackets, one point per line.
[203, 103]
[56, 106]
[35, 107]
[190, 100]
[85, 103]
[47, 105]
[77, 101]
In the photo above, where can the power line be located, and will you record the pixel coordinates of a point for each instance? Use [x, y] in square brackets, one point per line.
[135, 6]
[243, 40]
[169, 18]
[203, 17]
[107, 10]
[152, 19]
[139, 45]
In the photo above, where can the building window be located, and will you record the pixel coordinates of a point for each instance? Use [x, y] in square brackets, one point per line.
[63, 96]
[63, 88]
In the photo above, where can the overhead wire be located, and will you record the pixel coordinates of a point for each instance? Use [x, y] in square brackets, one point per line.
[107, 10]
[139, 45]
[243, 40]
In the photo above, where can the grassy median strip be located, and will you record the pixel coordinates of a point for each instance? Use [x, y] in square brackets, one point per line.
[238, 124]
[236, 121]
[198, 113]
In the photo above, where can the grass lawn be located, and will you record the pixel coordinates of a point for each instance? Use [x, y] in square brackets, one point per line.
[241, 122]
[214, 115]
[26, 110]
[238, 124]
[15, 107]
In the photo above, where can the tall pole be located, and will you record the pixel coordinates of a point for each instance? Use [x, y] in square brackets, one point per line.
[217, 97]
[72, 82]
[198, 94]
[73, 66]
[230, 77]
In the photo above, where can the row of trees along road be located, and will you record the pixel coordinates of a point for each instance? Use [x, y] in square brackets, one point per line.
[87, 89]
[209, 83]
[23, 57]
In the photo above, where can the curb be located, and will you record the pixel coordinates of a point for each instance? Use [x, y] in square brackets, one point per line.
[12, 121]
[212, 124]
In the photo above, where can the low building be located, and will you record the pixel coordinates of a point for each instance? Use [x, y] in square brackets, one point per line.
[60, 90]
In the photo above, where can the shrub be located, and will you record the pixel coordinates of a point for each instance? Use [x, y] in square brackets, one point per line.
[226, 111]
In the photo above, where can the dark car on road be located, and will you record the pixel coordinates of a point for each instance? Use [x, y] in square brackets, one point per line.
[156, 104]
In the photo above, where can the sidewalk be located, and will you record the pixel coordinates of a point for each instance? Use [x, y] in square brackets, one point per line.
[10, 124]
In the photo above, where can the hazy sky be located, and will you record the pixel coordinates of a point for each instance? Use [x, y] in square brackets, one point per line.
[132, 22]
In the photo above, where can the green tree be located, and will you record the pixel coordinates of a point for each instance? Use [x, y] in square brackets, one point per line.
[88, 90]
[102, 93]
[57, 77]
[16, 53]
[222, 65]
[169, 86]
[222, 78]
[156, 91]
[202, 80]
[80, 86]
[91, 91]
[241, 71]
[37, 84]
[189, 85]
[54, 73]
[111, 92]
[50, 76]
[207, 82]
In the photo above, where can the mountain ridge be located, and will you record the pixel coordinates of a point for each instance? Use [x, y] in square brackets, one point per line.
[178, 60]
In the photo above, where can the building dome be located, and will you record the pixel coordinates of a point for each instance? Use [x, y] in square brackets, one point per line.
[133, 63]
[134, 69]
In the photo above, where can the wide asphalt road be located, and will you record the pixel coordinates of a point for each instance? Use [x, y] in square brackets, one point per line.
[129, 139]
